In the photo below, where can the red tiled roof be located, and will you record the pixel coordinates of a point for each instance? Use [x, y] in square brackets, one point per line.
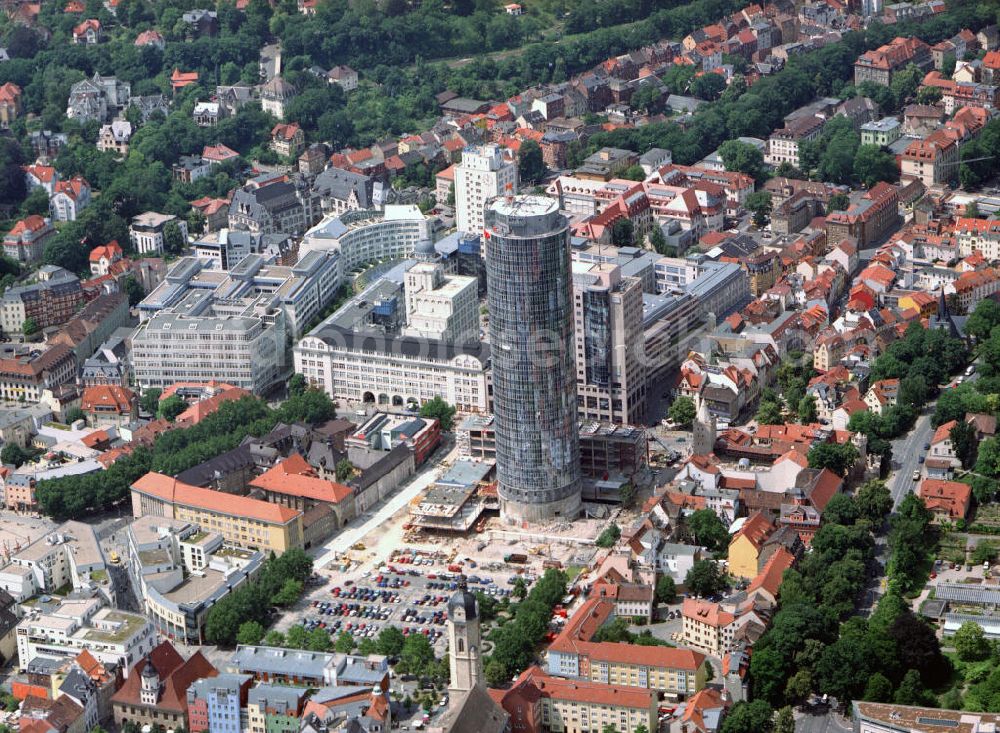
[171, 490]
[295, 477]
[104, 396]
[952, 497]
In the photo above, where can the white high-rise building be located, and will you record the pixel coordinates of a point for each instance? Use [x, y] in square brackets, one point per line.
[483, 174]
[439, 306]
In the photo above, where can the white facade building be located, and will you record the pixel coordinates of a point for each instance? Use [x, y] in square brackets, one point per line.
[439, 306]
[64, 629]
[363, 237]
[483, 174]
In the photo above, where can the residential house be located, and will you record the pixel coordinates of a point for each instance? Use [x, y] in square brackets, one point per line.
[275, 96]
[10, 103]
[287, 139]
[89, 32]
[879, 66]
[25, 242]
[746, 545]
[932, 160]
[114, 137]
[882, 395]
[948, 501]
[69, 199]
[343, 76]
[867, 221]
[109, 406]
[941, 458]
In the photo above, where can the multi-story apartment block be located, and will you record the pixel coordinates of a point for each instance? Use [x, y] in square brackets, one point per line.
[783, 145]
[180, 571]
[69, 557]
[882, 132]
[707, 626]
[610, 360]
[241, 520]
[25, 374]
[880, 65]
[868, 220]
[678, 673]
[484, 173]
[274, 709]
[61, 629]
[543, 702]
[216, 704]
[972, 287]
[439, 306]
[978, 235]
[246, 349]
[25, 242]
[932, 160]
[50, 301]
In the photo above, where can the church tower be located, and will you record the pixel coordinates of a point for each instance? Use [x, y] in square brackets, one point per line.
[149, 684]
[703, 431]
[464, 646]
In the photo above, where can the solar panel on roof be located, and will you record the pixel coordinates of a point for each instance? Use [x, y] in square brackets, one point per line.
[938, 721]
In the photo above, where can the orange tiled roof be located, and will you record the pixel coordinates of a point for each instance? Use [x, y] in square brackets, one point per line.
[171, 490]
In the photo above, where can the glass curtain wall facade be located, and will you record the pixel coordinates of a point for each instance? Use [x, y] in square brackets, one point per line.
[531, 350]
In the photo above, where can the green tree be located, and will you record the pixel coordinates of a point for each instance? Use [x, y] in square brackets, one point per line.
[964, 442]
[623, 232]
[838, 457]
[297, 637]
[749, 717]
[344, 470]
[708, 529]
[929, 95]
[971, 643]
[171, 407]
[134, 290]
[705, 579]
[878, 689]
[390, 641]
[841, 509]
[14, 455]
[872, 164]
[520, 589]
[769, 413]
[275, 638]
[759, 204]
[150, 400]
[609, 536]
[627, 495]
[297, 385]
[250, 633]
[531, 167]
[911, 691]
[873, 500]
[807, 410]
[30, 326]
[73, 414]
[344, 643]
[496, 673]
[441, 411]
[785, 722]
[666, 590]
[173, 239]
[289, 593]
[838, 202]
[983, 319]
[682, 411]
[743, 157]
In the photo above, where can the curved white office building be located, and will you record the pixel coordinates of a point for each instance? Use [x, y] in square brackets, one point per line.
[367, 236]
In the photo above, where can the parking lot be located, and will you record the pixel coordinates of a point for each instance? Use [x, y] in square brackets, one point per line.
[410, 591]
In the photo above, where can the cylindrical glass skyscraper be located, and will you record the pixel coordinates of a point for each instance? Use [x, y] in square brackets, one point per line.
[529, 291]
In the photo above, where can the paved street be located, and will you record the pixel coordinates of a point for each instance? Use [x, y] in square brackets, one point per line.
[826, 723]
[361, 526]
[905, 454]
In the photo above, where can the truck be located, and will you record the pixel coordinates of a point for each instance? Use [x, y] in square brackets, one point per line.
[517, 558]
